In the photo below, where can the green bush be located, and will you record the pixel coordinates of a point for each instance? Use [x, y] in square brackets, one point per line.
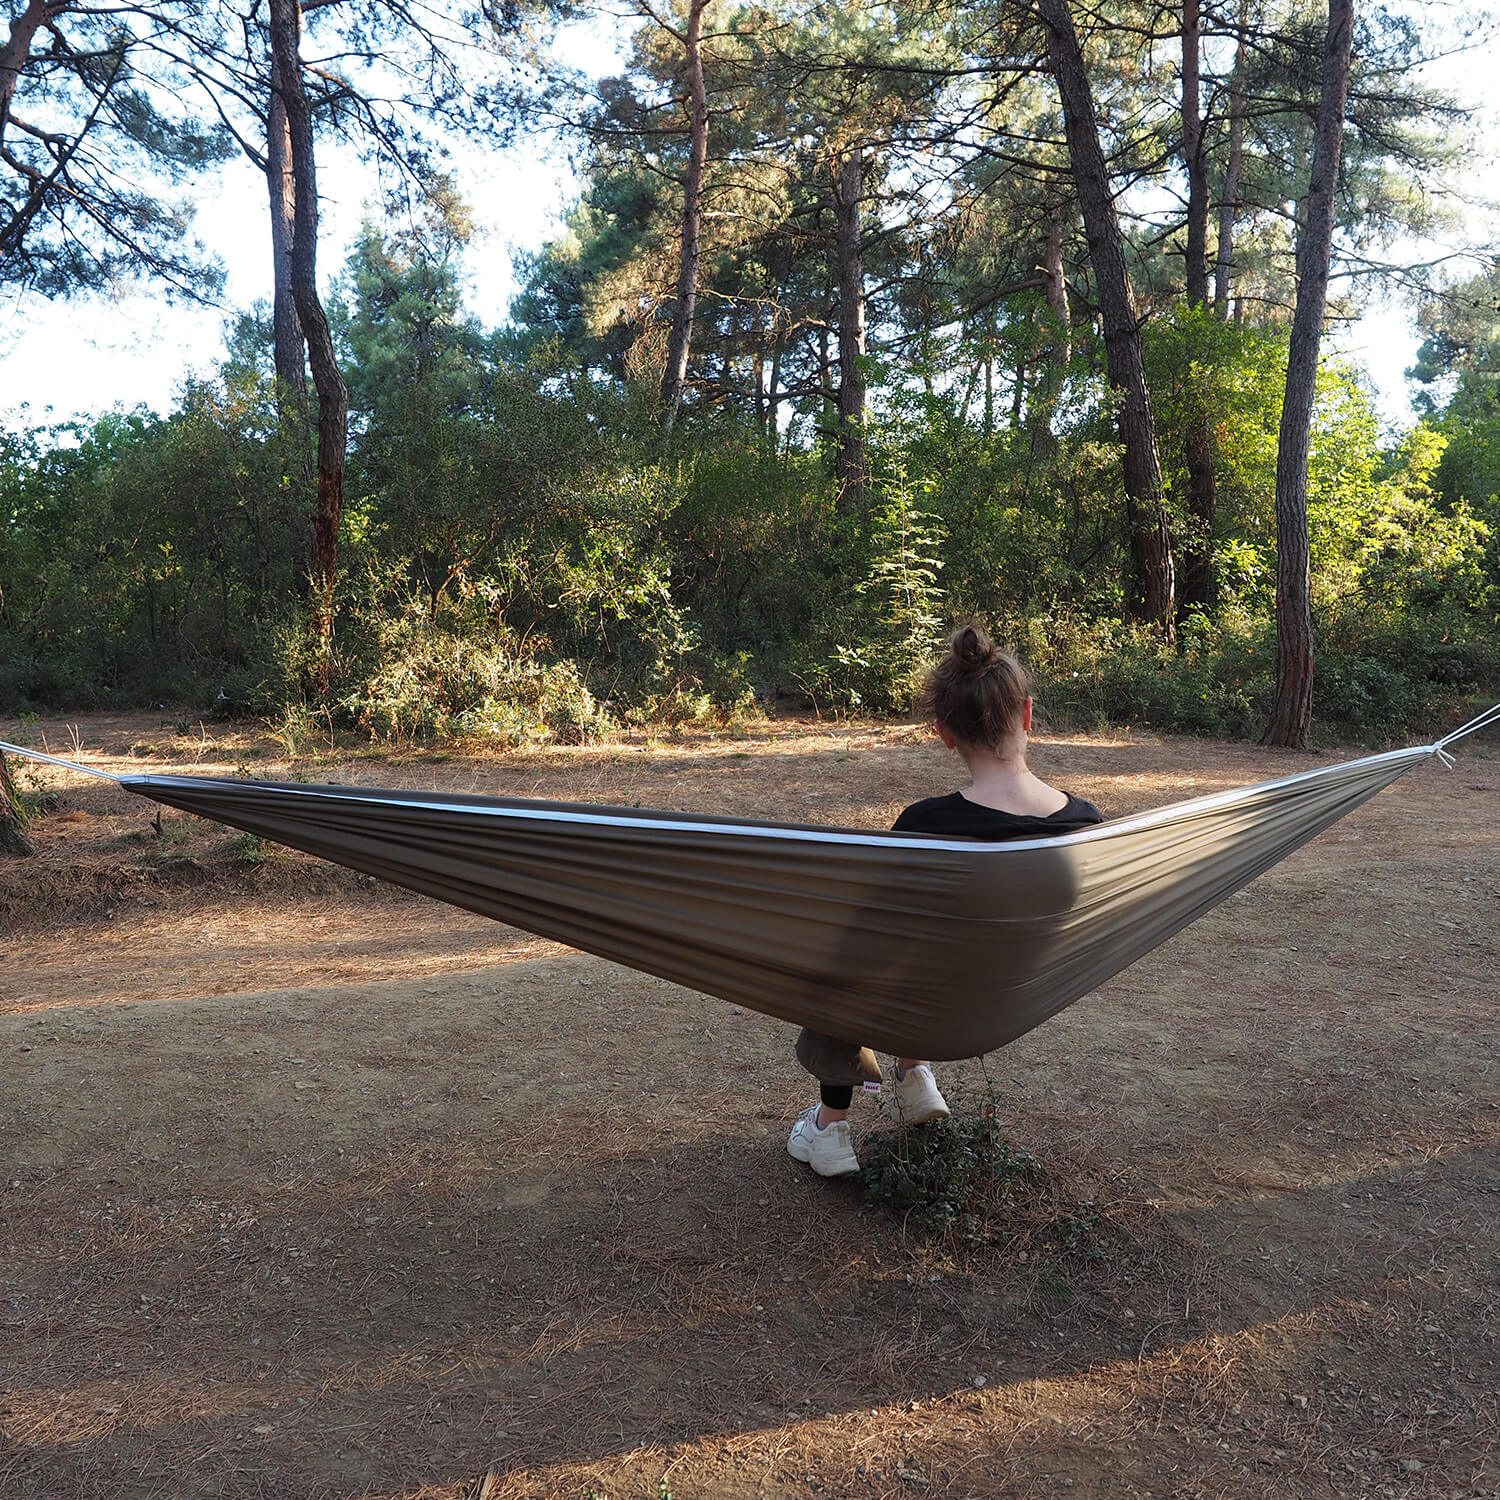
[869, 655]
[429, 678]
[1090, 674]
[1394, 676]
[951, 1178]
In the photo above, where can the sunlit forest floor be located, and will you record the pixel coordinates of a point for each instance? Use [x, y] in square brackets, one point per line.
[312, 1188]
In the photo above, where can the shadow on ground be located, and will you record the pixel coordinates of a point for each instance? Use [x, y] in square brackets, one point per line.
[236, 1269]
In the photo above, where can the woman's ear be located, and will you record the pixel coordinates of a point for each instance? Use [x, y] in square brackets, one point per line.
[946, 735]
[1026, 715]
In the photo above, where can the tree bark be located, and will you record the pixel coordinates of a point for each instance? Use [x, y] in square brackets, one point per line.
[680, 342]
[1294, 636]
[1146, 516]
[850, 466]
[1229, 202]
[17, 49]
[989, 379]
[1196, 582]
[1059, 346]
[290, 359]
[1192, 157]
[1198, 576]
[333, 395]
[13, 838]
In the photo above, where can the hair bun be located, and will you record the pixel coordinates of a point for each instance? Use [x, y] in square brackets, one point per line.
[977, 689]
[973, 649]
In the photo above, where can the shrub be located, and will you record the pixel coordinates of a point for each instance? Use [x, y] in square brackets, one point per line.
[430, 679]
[950, 1178]
[870, 655]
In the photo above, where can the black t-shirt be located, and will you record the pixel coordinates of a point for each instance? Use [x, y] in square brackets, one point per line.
[954, 816]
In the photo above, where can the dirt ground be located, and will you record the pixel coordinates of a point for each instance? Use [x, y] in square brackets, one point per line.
[309, 1188]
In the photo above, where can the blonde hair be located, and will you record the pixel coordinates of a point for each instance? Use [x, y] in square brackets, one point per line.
[976, 691]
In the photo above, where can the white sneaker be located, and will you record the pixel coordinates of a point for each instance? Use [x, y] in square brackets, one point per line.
[917, 1098]
[827, 1149]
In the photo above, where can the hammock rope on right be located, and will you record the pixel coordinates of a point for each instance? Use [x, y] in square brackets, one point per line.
[915, 945]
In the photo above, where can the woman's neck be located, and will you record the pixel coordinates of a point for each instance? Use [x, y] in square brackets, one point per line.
[1002, 780]
[1007, 761]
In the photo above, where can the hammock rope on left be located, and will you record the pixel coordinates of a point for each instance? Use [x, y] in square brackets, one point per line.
[914, 945]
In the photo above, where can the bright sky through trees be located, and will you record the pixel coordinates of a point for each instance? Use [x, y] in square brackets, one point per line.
[87, 354]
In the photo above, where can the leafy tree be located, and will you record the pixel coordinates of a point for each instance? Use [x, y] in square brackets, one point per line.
[816, 115]
[95, 133]
[1458, 364]
[419, 376]
[144, 556]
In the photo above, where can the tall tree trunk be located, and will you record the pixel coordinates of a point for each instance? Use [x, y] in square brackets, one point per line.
[1196, 582]
[829, 397]
[1294, 639]
[1151, 546]
[1229, 201]
[288, 348]
[333, 395]
[287, 345]
[969, 389]
[681, 338]
[1192, 157]
[13, 838]
[849, 269]
[1059, 350]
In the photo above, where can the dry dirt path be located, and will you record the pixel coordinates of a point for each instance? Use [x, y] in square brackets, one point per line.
[311, 1189]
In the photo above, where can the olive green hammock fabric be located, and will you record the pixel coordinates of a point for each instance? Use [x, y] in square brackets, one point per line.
[915, 945]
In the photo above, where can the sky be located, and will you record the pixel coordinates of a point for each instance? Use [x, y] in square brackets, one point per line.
[62, 359]
[88, 353]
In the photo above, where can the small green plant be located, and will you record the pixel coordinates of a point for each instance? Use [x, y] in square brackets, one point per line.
[299, 726]
[893, 619]
[1077, 1231]
[253, 849]
[35, 794]
[950, 1178]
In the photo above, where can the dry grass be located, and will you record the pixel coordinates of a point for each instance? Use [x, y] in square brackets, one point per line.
[377, 1200]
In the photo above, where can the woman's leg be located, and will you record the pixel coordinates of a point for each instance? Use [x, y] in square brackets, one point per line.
[833, 1104]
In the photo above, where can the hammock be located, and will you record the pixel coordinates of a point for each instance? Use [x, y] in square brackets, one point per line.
[916, 945]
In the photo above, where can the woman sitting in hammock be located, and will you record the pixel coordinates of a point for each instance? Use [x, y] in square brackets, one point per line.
[978, 698]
